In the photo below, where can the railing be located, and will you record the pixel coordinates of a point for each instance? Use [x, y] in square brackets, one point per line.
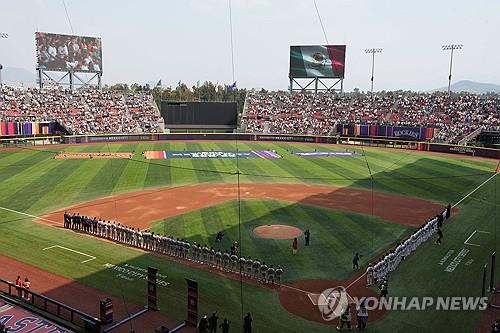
[76, 317]
[472, 135]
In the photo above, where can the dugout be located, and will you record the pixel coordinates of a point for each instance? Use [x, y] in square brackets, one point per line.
[199, 116]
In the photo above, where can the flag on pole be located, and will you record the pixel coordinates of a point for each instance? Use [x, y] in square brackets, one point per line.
[232, 86]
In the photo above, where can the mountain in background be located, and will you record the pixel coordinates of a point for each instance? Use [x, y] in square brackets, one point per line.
[15, 76]
[472, 87]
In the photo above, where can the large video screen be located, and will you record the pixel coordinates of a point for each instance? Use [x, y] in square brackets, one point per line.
[57, 52]
[313, 61]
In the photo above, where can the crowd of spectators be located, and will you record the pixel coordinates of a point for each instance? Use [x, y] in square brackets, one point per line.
[82, 111]
[302, 113]
[68, 52]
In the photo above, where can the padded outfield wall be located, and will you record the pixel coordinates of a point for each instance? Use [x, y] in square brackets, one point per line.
[371, 142]
[375, 142]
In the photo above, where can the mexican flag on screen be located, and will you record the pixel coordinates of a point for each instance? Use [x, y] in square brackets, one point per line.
[317, 61]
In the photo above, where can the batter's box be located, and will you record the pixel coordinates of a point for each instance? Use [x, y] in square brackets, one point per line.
[321, 299]
[331, 302]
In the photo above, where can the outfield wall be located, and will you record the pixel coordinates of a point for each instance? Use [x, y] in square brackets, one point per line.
[371, 142]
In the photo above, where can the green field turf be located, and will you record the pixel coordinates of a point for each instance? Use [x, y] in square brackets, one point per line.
[336, 235]
[35, 183]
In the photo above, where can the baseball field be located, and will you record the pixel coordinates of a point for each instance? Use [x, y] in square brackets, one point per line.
[364, 202]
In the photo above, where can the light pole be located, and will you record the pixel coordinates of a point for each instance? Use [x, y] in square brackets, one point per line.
[451, 47]
[3, 35]
[373, 51]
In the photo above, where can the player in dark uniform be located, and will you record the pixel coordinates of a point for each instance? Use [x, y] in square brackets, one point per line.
[307, 235]
[66, 219]
[383, 289]
[355, 262]
[212, 322]
[247, 323]
[225, 326]
[440, 236]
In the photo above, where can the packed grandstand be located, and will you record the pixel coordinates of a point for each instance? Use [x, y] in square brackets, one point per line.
[105, 111]
[82, 111]
[456, 117]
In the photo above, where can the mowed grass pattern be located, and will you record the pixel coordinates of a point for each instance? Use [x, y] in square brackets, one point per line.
[336, 235]
[35, 183]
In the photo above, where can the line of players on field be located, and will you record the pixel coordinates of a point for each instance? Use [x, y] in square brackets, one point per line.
[379, 271]
[227, 261]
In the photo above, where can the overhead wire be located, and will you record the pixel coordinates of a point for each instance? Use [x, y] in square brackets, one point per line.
[233, 88]
[67, 17]
[321, 21]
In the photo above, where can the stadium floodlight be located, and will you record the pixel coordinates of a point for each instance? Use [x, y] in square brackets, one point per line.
[372, 52]
[451, 47]
[2, 35]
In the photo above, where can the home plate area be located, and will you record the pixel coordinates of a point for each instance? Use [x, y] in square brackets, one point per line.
[331, 302]
[322, 301]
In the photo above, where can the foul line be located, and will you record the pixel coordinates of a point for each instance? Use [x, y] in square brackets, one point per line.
[353, 282]
[474, 190]
[26, 214]
[71, 250]
[471, 235]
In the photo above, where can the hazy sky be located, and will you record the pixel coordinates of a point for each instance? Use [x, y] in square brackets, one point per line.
[188, 40]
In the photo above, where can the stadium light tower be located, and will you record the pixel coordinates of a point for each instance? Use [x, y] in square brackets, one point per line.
[373, 51]
[3, 35]
[451, 47]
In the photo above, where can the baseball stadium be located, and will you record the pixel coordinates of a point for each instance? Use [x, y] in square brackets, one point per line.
[147, 208]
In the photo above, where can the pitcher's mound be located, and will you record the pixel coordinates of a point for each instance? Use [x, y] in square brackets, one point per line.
[277, 231]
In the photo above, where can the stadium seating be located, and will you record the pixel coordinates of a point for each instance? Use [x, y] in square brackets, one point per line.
[82, 111]
[309, 114]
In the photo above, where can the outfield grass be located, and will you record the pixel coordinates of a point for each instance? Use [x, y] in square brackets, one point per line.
[336, 235]
[35, 183]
